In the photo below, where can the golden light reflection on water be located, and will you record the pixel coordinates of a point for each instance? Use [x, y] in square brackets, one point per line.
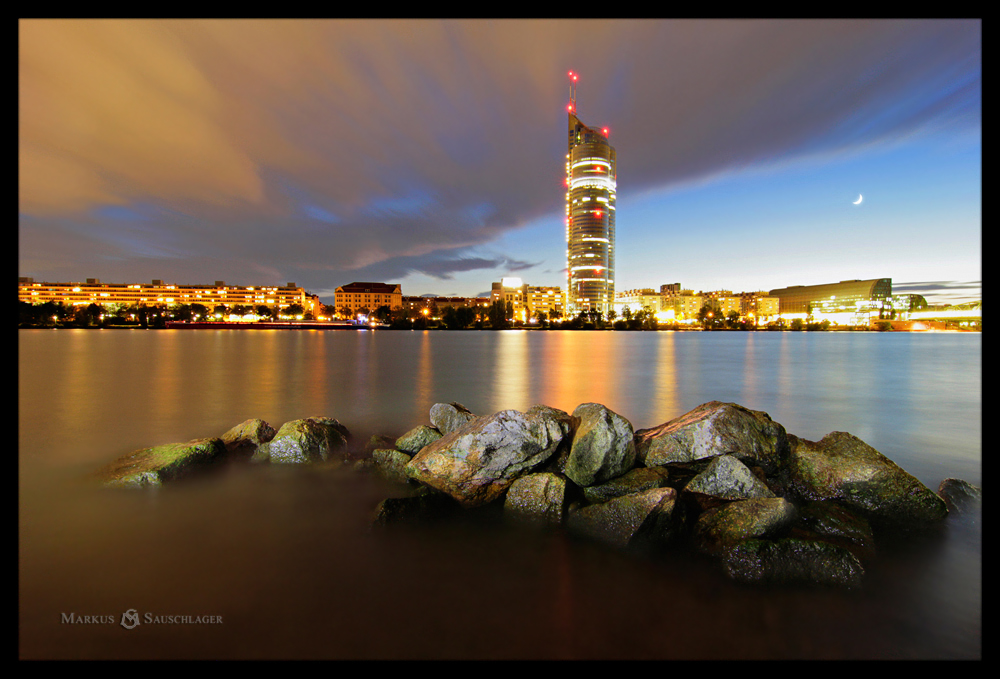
[512, 370]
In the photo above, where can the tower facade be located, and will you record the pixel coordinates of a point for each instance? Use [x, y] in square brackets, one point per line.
[591, 185]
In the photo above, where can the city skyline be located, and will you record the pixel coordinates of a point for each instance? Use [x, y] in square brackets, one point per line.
[429, 153]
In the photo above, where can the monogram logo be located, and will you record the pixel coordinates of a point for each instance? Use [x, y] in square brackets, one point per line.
[130, 618]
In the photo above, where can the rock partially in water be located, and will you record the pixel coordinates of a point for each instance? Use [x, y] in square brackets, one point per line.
[537, 499]
[417, 439]
[791, 560]
[391, 464]
[313, 439]
[723, 527]
[447, 417]
[842, 467]
[162, 464]
[715, 429]
[639, 518]
[244, 439]
[834, 523]
[961, 496]
[476, 463]
[603, 446]
[378, 442]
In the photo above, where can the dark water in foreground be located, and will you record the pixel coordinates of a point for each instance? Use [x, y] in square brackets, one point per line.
[285, 557]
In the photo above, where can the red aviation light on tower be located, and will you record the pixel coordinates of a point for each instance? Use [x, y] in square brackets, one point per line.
[604, 131]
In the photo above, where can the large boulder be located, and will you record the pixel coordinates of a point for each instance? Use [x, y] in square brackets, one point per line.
[627, 520]
[603, 446]
[313, 439]
[537, 499]
[791, 560]
[727, 478]
[723, 527]
[244, 439]
[713, 429]
[476, 463]
[447, 417]
[842, 467]
[161, 464]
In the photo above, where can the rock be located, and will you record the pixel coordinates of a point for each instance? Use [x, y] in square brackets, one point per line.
[447, 417]
[627, 520]
[417, 438]
[391, 464]
[537, 499]
[161, 464]
[727, 478]
[832, 522]
[791, 560]
[476, 463]
[722, 527]
[603, 446]
[960, 496]
[633, 481]
[313, 439]
[713, 429]
[842, 467]
[244, 439]
[423, 508]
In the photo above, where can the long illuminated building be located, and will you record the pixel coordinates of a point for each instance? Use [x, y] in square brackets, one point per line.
[591, 184]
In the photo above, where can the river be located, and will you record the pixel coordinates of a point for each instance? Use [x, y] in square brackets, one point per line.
[280, 563]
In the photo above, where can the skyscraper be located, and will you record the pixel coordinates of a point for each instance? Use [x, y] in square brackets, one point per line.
[591, 183]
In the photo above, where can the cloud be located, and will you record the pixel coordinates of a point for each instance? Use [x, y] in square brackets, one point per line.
[321, 150]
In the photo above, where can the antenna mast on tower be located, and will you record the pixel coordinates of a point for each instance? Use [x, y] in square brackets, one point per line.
[572, 92]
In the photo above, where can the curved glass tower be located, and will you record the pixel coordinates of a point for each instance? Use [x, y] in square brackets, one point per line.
[590, 218]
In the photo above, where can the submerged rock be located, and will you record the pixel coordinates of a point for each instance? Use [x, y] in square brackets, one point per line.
[603, 446]
[791, 560]
[842, 467]
[419, 509]
[715, 429]
[832, 522]
[476, 463]
[161, 464]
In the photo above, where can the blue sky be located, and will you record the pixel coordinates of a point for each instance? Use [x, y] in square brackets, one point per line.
[430, 153]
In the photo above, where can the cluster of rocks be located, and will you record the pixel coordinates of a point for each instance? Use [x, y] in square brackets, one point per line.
[721, 479]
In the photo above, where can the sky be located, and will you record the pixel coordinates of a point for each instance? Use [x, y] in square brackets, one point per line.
[431, 153]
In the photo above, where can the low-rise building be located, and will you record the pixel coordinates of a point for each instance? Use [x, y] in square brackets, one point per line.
[158, 293]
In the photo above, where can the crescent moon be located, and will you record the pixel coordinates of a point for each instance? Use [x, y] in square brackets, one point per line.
[858, 201]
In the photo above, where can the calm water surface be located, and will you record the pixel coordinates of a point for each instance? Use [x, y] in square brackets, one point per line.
[285, 557]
